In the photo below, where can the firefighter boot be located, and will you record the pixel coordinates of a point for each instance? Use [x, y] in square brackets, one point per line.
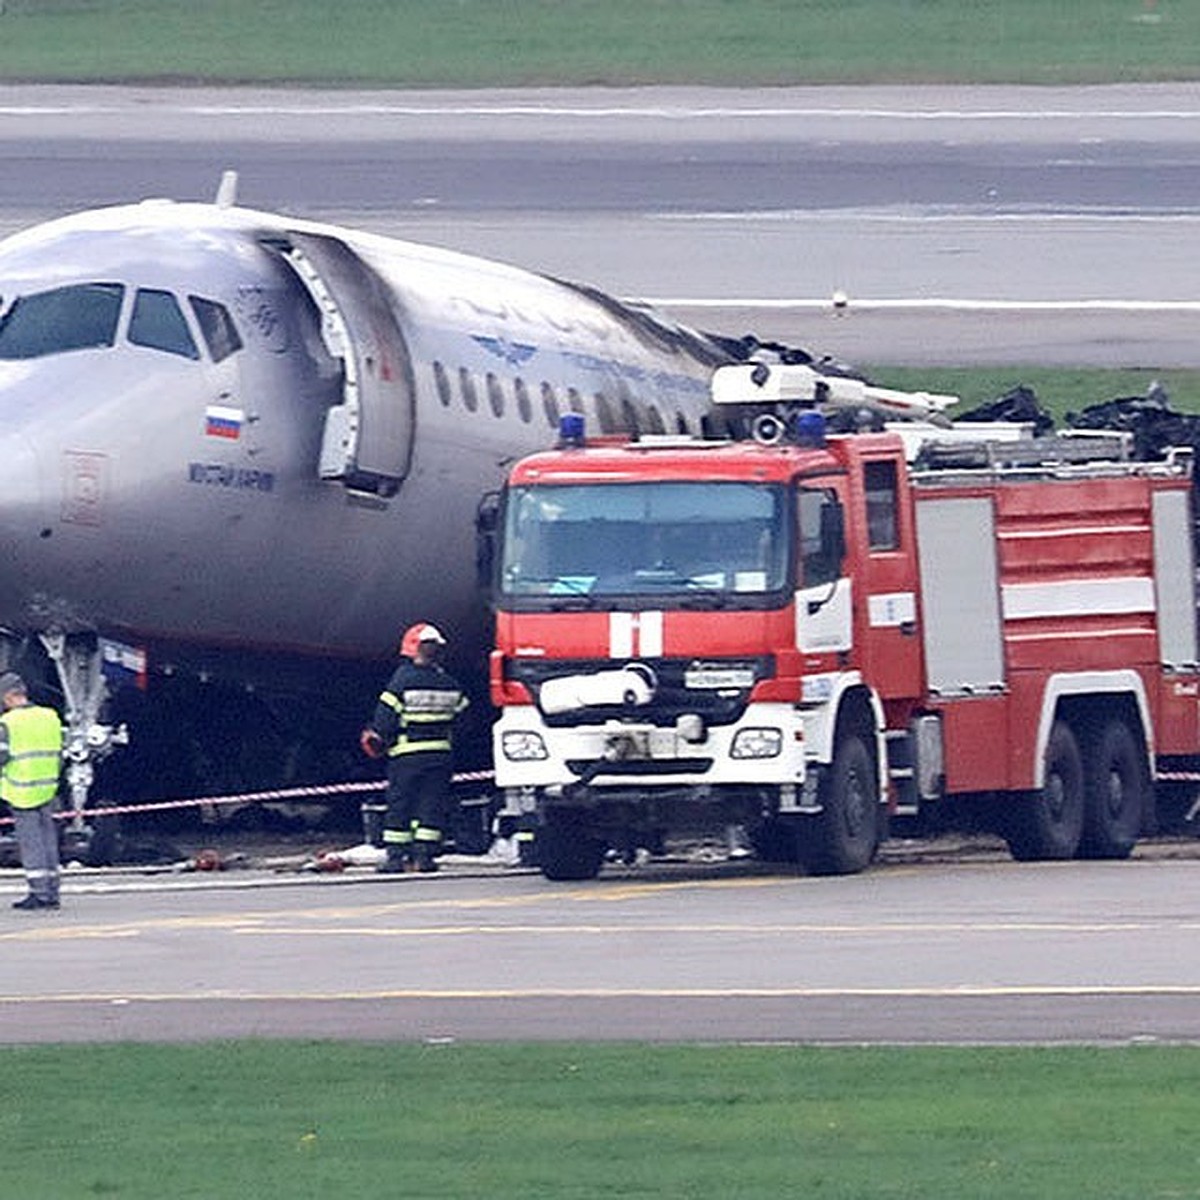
[396, 863]
[423, 855]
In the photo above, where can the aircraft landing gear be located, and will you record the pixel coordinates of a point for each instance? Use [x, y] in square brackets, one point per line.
[86, 739]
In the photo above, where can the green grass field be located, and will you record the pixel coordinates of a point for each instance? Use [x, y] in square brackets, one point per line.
[1061, 390]
[477, 43]
[295, 1120]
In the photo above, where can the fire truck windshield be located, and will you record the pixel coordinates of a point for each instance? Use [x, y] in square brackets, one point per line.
[720, 544]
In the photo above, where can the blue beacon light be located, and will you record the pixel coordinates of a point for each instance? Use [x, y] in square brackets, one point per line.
[571, 430]
[810, 429]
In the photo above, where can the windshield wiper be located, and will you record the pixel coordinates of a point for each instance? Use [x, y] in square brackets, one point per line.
[701, 600]
[555, 585]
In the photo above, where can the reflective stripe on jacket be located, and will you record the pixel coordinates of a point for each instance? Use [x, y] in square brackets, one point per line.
[30, 775]
[416, 711]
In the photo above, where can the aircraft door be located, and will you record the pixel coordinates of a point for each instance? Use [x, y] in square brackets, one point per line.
[367, 441]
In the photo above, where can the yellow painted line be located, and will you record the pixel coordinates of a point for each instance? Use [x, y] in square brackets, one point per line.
[959, 991]
[716, 930]
[66, 935]
[290, 924]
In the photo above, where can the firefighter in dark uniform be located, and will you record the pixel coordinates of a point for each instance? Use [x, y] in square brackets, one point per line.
[412, 727]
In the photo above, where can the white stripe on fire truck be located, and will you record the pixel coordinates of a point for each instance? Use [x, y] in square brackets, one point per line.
[635, 635]
[1020, 535]
[1077, 598]
[1058, 638]
[650, 630]
[620, 634]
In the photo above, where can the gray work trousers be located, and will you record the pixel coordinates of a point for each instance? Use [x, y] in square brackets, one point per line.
[37, 842]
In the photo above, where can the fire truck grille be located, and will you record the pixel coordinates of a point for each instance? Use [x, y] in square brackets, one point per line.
[718, 705]
[644, 766]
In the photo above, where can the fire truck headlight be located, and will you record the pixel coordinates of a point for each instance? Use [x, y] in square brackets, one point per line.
[523, 746]
[757, 743]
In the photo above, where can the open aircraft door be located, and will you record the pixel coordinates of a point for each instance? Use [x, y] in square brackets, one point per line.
[367, 442]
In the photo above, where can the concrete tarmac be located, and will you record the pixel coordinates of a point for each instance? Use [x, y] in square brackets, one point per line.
[966, 948]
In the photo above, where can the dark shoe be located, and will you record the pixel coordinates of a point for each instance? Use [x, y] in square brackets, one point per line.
[31, 901]
[398, 861]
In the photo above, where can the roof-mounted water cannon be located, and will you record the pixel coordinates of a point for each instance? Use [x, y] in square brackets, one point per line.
[786, 390]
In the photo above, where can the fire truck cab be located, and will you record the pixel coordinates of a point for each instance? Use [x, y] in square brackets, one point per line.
[806, 633]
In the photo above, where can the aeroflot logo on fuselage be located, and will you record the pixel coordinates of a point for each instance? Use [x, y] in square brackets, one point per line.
[513, 353]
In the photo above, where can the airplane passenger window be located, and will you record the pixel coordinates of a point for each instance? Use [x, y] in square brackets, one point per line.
[157, 323]
[523, 405]
[217, 326]
[654, 420]
[629, 417]
[495, 393]
[466, 385]
[82, 316]
[442, 382]
[604, 414]
[550, 404]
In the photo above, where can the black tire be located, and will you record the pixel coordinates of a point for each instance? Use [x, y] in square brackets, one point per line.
[1114, 793]
[1048, 824]
[843, 838]
[565, 853]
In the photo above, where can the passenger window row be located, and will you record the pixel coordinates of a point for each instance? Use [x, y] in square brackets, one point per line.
[612, 414]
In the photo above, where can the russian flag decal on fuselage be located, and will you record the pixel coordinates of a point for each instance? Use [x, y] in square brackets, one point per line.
[223, 422]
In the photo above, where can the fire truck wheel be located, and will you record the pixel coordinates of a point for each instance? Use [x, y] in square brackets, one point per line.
[844, 837]
[565, 853]
[1114, 791]
[1048, 824]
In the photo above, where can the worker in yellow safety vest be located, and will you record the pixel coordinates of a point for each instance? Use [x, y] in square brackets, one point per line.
[30, 764]
[412, 725]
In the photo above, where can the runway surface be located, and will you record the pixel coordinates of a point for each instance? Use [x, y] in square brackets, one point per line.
[975, 952]
[740, 211]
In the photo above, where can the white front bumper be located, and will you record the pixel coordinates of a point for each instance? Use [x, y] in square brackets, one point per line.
[670, 760]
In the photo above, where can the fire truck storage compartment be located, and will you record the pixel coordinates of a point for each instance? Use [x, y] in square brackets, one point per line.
[1174, 580]
[960, 592]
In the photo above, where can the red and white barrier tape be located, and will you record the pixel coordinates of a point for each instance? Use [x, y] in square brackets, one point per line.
[278, 794]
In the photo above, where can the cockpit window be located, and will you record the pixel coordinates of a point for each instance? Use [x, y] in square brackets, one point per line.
[217, 326]
[82, 316]
[158, 323]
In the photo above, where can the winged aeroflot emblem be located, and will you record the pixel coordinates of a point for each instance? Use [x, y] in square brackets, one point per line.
[514, 353]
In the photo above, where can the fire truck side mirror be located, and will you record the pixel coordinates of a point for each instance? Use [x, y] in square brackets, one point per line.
[487, 525]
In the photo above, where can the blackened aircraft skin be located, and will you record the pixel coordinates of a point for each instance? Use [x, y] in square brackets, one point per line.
[235, 437]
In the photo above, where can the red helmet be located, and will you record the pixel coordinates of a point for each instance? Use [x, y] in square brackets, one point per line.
[414, 635]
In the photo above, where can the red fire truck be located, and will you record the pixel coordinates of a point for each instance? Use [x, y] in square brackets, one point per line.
[805, 633]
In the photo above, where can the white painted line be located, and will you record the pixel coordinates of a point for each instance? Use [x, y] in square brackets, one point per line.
[926, 304]
[953, 992]
[610, 111]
